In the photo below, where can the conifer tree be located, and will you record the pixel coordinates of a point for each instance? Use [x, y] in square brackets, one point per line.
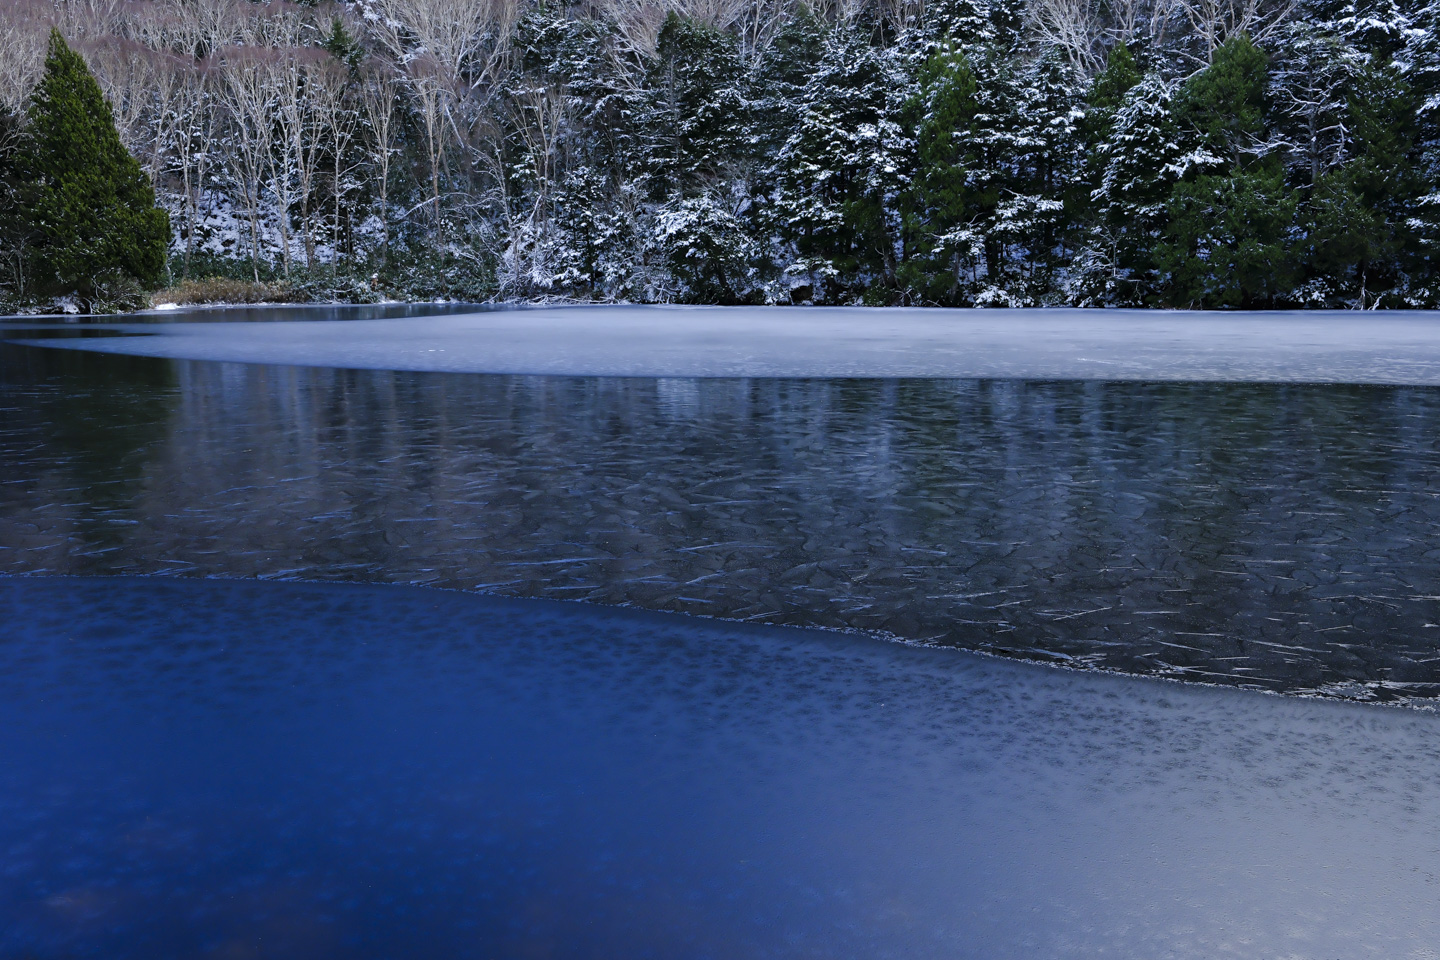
[940, 209]
[1420, 63]
[1041, 193]
[953, 152]
[1120, 74]
[777, 91]
[1224, 104]
[838, 169]
[1228, 242]
[1379, 27]
[1137, 162]
[1379, 234]
[1094, 269]
[697, 115]
[91, 209]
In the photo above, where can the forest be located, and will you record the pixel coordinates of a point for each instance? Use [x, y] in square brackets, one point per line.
[1105, 153]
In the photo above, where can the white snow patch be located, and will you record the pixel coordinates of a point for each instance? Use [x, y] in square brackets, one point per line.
[672, 341]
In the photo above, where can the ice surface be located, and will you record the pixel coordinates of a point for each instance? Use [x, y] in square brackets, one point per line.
[1281, 535]
[671, 341]
[215, 768]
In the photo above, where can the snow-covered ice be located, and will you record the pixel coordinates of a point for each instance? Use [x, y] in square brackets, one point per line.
[672, 341]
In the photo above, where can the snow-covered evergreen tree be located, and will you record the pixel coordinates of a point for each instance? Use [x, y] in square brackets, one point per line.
[1139, 159]
[839, 173]
[1228, 242]
[957, 152]
[696, 118]
[1378, 28]
[1419, 64]
[944, 223]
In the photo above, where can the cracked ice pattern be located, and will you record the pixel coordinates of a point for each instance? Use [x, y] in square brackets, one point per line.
[1282, 536]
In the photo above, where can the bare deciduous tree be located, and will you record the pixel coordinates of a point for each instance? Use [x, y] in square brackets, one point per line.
[141, 87]
[193, 138]
[379, 104]
[1215, 21]
[23, 28]
[300, 121]
[245, 90]
[451, 52]
[334, 122]
[1072, 26]
[1311, 78]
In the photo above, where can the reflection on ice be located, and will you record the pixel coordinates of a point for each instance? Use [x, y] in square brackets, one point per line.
[1278, 535]
[1309, 346]
[196, 767]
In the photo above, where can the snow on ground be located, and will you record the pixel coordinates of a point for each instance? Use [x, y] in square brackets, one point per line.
[672, 341]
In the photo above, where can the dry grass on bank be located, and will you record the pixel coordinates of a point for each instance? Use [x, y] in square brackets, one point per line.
[222, 290]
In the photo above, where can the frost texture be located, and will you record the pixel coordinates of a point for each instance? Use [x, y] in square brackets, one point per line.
[631, 341]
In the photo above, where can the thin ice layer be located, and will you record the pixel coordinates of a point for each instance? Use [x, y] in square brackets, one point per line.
[671, 341]
[198, 767]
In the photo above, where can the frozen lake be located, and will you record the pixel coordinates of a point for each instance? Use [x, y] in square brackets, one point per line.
[201, 760]
[1272, 535]
[628, 341]
[201, 768]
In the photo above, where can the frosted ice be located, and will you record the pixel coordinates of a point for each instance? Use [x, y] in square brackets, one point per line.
[672, 341]
[213, 763]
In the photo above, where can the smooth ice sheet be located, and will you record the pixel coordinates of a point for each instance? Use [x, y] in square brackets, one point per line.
[671, 341]
[235, 768]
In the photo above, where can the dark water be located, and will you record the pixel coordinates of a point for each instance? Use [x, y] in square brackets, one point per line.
[1280, 536]
[206, 769]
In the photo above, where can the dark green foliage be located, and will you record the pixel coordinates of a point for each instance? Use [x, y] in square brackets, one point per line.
[1345, 237]
[1230, 230]
[1224, 104]
[1366, 210]
[89, 208]
[343, 45]
[938, 155]
[1120, 74]
[1228, 241]
[1135, 165]
[942, 206]
[996, 160]
[697, 116]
